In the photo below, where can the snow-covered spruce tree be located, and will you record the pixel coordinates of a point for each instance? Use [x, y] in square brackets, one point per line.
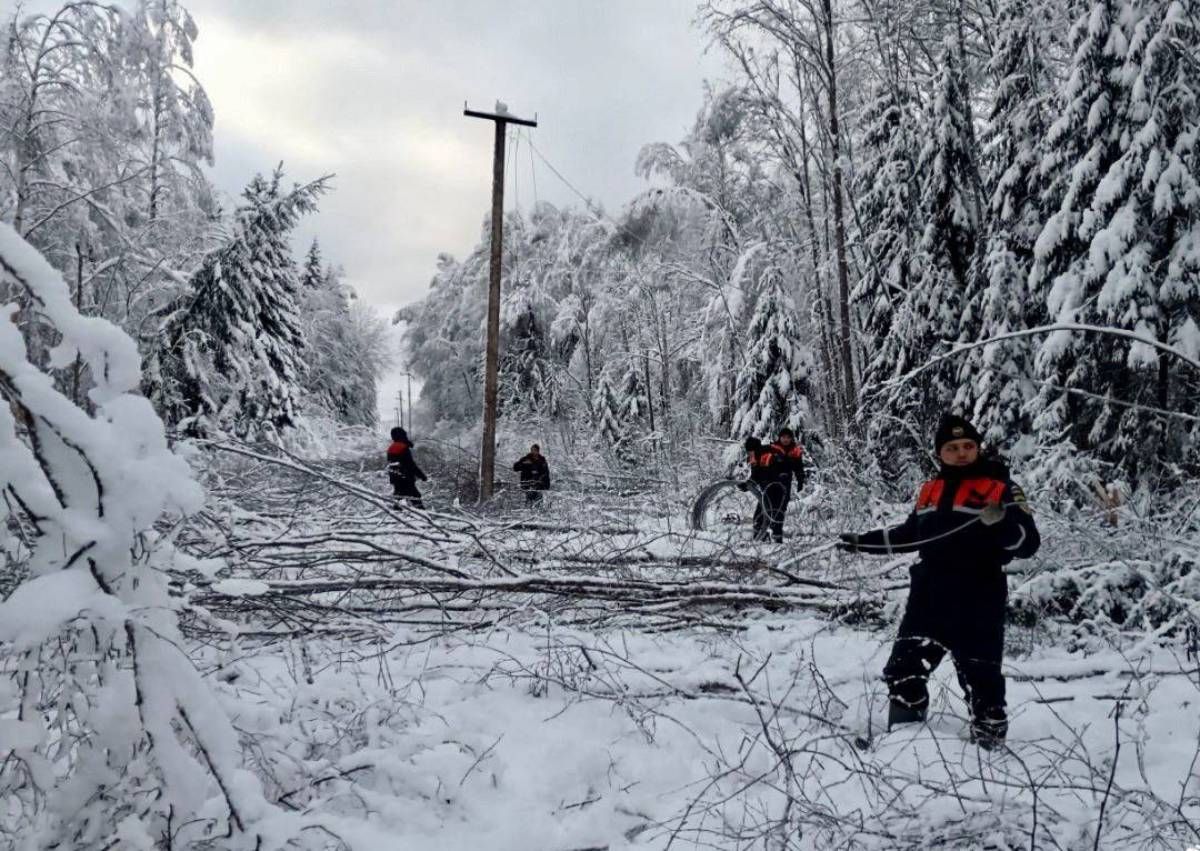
[994, 382]
[944, 263]
[633, 396]
[885, 186]
[1081, 144]
[772, 385]
[229, 354]
[1119, 248]
[313, 275]
[630, 406]
[725, 316]
[608, 414]
[1145, 253]
[116, 739]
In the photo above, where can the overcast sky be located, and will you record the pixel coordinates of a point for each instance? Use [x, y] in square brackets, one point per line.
[373, 91]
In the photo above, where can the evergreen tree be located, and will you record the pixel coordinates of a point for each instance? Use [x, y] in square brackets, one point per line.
[608, 414]
[994, 381]
[1079, 147]
[886, 189]
[229, 351]
[314, 275]
[949, 202]
[772, 385]
[725, 317]
[944, 262]
[1120, 164]
[1137, 265]
[634, 399]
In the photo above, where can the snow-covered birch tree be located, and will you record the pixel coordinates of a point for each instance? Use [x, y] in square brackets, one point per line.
[113, 738]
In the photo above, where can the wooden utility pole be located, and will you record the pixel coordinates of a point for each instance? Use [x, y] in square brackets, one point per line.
[491, 380]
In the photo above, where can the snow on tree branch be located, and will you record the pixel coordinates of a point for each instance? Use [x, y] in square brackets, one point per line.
[122, 741]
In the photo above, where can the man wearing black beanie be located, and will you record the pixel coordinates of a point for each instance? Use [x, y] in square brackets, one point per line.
[968, 522]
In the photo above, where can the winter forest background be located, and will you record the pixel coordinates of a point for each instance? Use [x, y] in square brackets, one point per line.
[218, 632]
[861, 201]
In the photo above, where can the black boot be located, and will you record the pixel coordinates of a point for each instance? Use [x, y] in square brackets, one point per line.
[902, 713]
[989, 733]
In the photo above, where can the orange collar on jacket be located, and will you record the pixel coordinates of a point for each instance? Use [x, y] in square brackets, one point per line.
[972, 496]
[764, 457]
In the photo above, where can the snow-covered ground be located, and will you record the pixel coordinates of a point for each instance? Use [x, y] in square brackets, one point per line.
[555, 738]
[601, 677]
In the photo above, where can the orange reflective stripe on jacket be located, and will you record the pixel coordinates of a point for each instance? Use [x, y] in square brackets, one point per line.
[762, 458]
[972, 496]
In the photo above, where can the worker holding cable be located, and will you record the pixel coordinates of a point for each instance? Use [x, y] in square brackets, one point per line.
[968, 522]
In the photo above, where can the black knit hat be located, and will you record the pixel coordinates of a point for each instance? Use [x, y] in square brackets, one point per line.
[954, 428]
[399, 434]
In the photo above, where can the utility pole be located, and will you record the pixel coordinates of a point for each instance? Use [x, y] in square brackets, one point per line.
[408, 375]
[491, 384]
[400, 409]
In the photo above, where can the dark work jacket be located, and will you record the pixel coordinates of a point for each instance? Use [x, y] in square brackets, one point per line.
[944, 526]
[791, 464]
[766, 466]
[535, 473]
[401, 465]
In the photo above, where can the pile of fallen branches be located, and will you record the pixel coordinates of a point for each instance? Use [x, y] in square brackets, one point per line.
[316, 560]
[318, 549]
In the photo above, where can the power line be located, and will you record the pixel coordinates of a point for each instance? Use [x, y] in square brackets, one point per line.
[532, 171]
[598, 213]
[587, 201]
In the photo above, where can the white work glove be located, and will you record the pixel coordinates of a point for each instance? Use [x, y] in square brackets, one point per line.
[992, 515]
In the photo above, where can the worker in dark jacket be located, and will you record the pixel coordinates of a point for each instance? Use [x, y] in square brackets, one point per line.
[403, 471]
[969, 522]
[535, 475]
[767, 469]
[791, 471]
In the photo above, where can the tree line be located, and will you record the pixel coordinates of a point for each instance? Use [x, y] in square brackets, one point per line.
[882, 182]
[105, 136]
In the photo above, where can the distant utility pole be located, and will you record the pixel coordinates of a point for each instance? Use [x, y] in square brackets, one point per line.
[400, 394]
[410, 418]
[491, 382]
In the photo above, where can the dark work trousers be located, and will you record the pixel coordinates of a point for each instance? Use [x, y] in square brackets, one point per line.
[785, 500]
[533, 498]
[406, 489]
[769, 512]
[951, 610]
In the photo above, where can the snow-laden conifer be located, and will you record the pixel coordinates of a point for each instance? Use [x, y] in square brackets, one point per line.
[608, 414]
[772, 385]
[230, 350]
[1119, 248]
[994, 381]
[886, 187]
[930, 317]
